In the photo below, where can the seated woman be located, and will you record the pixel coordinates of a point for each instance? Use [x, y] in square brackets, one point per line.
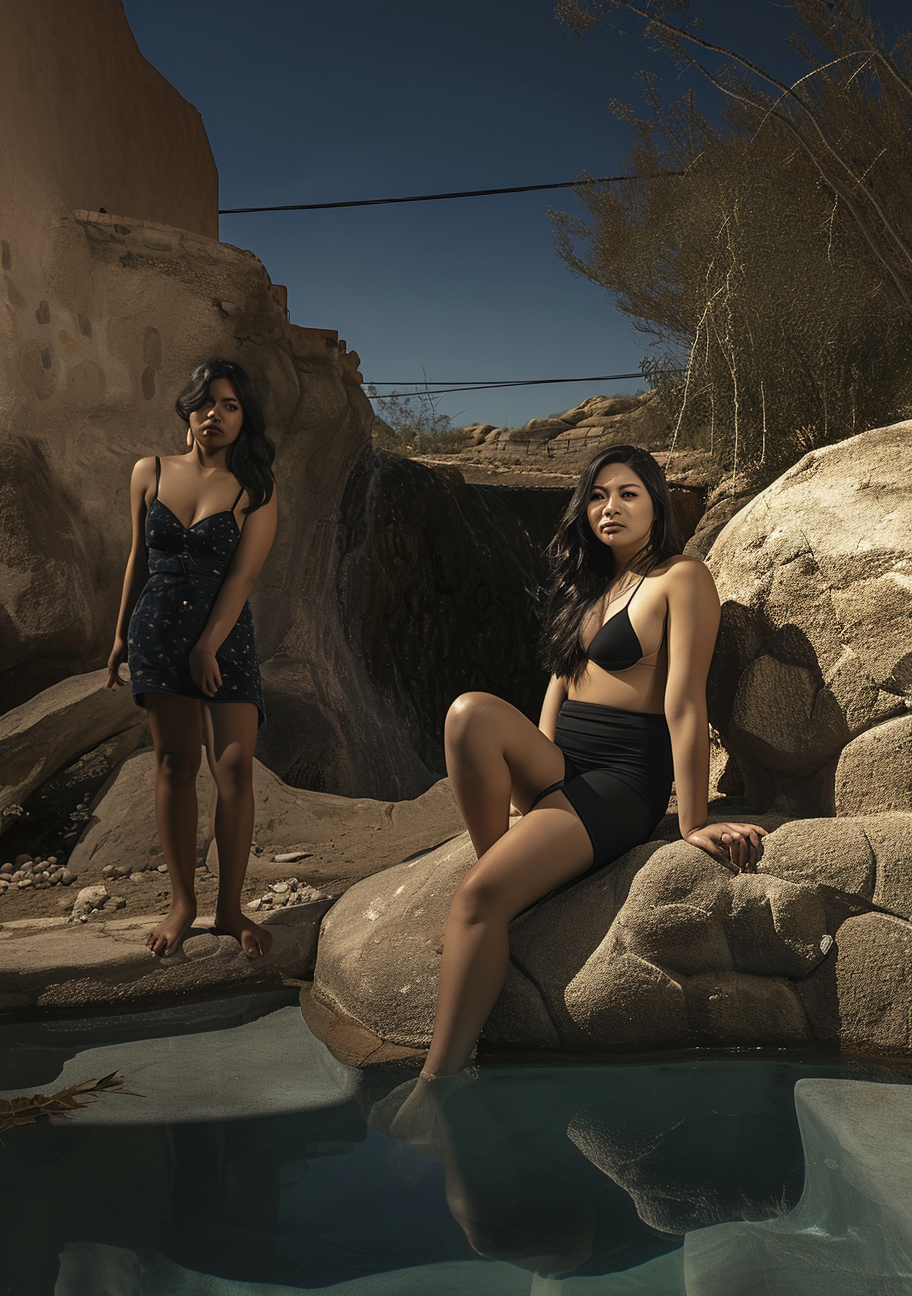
[629, 634]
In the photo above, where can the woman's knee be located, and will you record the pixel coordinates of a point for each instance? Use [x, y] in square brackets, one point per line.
[467, 711]
[233, 775]
[479, 899]
[178, 768]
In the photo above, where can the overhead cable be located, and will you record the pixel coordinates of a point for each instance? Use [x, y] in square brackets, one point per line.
[441, 388]
[438, 197]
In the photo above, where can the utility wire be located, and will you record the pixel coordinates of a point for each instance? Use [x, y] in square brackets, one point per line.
[433, 389]
[437, 197]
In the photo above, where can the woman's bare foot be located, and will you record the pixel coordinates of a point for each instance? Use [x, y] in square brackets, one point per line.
[167, 936]
[416, 1120]
[253, 939]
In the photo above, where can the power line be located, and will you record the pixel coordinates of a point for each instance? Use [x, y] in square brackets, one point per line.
[434, 389]
[438, 197]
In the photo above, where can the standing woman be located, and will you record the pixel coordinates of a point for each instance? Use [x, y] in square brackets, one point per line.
[629, 635]
[203, 523]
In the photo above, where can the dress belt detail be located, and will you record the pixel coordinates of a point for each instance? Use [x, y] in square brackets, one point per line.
[187, 565]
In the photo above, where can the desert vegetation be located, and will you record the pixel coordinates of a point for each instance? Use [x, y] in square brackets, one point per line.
[767, 254]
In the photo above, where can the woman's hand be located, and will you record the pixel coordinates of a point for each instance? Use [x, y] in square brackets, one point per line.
[736, 845]
[204, 670]
[115, 661]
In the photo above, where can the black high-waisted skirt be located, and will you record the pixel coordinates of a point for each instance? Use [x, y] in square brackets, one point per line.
[617, 774]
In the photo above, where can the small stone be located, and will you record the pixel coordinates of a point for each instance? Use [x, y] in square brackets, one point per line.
[135, 876]
[108, 870]
[26, 882]
[17, 876]
[43, 876]
[279, 888]
[255, 905]
[67, 878]
[291, 857]
[162, 868]
[51, 859]
[7, 868]
[23, 859]
[54, 879]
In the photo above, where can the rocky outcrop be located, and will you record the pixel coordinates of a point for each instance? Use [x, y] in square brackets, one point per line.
[38, 738]
[815, 577]
[599, 420]
[333, 839]
[441, 580]
[81, 399]
[666, 949]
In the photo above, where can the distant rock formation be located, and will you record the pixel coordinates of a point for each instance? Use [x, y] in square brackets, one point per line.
[599, 420]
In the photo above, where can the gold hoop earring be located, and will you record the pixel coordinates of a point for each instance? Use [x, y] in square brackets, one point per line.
[189, 439]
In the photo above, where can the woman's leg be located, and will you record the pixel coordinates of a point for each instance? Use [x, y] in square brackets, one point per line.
[495, 755]
[177, 736]
[548, 847]
[231, 731]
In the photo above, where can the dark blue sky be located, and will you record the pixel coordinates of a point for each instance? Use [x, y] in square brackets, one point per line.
[325, 100]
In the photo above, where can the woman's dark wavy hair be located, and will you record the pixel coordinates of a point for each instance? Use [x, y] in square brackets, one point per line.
[582, 568]
[250, 457]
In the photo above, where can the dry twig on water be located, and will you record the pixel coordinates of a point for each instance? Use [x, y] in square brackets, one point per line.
[27, 1110]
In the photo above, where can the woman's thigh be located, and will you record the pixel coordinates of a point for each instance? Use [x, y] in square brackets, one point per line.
[175, 724]
[231, 732]
[481, 727]
[544, 850]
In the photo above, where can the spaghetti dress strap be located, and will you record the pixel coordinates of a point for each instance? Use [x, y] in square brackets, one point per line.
[158, 473]
[238, 500]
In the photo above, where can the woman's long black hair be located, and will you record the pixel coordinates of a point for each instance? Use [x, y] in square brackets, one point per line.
[582, 568]
[250, 457]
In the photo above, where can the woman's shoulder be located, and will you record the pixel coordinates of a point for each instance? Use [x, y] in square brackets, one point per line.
[144, 468]
[683, 572]
[681, 566]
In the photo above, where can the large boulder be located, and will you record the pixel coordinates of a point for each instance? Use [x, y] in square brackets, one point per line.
[815, 577]
[41, 736]
[666, 949]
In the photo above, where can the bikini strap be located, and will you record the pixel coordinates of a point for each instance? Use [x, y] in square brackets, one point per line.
[158, 473]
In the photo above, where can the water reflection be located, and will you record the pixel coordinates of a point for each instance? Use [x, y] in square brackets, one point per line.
[658, 1179]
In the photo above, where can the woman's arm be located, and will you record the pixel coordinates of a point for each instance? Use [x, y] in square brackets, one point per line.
[256, 541]
[137, 572]
[555, 694]
[693, 623]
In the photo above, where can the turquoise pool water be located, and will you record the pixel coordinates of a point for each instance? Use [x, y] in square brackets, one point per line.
[255, 1163]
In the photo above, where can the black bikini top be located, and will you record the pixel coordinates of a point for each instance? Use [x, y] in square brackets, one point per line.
[615, 647]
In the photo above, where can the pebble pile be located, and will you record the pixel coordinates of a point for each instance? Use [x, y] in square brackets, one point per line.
[27, 871]
[291, 891]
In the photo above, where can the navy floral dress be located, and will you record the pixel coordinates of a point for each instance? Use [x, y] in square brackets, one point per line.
[186, 568]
